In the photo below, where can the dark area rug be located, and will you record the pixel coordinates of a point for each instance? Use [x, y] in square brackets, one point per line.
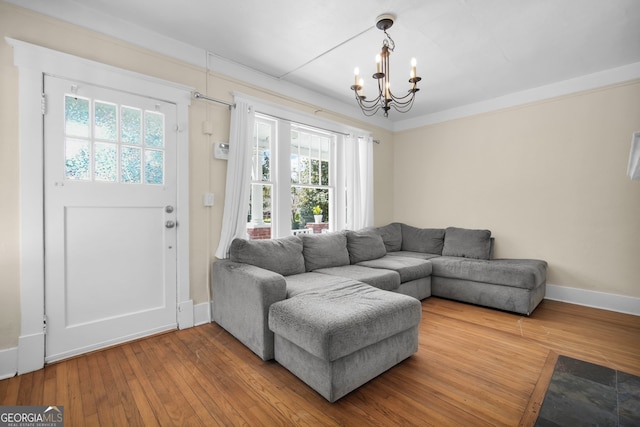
[583, 394]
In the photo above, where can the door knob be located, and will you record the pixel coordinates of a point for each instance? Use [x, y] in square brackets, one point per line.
[170, 224]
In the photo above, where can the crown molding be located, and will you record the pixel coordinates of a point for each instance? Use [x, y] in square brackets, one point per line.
[565, 87]
[74, 12]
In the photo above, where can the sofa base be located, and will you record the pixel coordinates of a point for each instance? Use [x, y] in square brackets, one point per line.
[419, 288]
[508, 298]
[334, 379]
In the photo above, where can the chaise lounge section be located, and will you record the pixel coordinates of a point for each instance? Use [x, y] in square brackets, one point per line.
[342, 336]
[463, 267]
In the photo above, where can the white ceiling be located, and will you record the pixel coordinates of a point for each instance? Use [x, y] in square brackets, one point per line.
[468, 51]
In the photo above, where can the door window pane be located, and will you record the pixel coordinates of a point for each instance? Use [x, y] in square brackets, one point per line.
[76, 116]
[106, 162]
[77, 155]
[108, 143]
[131, 125]
[131, 164]
[154, 129]
[154, 166]
[106, 126]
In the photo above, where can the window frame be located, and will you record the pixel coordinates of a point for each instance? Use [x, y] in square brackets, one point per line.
[280, 173]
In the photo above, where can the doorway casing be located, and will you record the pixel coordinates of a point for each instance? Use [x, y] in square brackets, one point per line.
[33, 62]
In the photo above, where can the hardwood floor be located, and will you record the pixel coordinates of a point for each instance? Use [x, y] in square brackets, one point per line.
[475, 366]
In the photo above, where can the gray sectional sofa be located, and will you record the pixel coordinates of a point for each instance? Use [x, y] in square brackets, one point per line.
[338, 309]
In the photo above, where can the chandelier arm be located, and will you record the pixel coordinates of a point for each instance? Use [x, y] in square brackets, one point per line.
[368, 104]
[401, 98]
[403, 108]
[369, 110]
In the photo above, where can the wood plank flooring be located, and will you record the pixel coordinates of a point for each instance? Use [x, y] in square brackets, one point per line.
[474, 367]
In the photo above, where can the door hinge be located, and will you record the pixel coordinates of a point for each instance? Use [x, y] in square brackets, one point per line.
[43, 104]
[44, 324]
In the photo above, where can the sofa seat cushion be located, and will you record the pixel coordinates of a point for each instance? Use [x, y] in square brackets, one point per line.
[338, 320]
[412, 254]
[519, 273]
[300, 283]
[408, 268]
[380, 278]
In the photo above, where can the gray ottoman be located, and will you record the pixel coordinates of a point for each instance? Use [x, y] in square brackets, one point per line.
[338, 337]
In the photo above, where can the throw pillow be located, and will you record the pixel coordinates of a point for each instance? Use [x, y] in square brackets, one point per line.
[467, 243]
[391, 236]
[425, 240]
[283, 256]
[325, 250]
[365, 245]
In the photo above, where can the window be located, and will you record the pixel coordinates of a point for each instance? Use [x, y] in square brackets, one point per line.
[293, 179]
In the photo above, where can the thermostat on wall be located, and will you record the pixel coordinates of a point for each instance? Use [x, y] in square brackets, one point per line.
[221, 151]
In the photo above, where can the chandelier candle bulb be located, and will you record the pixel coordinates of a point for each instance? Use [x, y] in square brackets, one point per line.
[413, 68]
[378, 60]
[361, 84]
[356, 71]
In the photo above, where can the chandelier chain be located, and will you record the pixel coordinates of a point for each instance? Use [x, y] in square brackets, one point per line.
[389, 41]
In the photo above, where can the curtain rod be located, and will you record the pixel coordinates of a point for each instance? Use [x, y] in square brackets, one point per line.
[198, 95]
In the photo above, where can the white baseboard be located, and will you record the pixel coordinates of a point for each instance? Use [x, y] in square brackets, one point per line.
[185, 314]
[202, 313]
[603, 300]
[30, 353]
[8, 362]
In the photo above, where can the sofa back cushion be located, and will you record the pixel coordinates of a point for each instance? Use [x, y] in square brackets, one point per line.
[325, 250]
[425, 240]
[365, 245]
[283, 256]
[391, 236]
[467, 243]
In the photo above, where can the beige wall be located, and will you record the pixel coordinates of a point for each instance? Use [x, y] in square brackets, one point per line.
[548, 179]
[206, 174]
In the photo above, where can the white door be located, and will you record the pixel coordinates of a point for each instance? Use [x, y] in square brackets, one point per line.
[110, 232]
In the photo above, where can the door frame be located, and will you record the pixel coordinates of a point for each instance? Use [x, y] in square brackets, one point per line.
[33, 62]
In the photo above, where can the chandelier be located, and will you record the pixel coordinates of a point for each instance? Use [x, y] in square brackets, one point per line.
[385, 98]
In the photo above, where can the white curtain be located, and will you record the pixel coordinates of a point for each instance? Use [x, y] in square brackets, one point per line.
[358, 166]
[236, 199]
